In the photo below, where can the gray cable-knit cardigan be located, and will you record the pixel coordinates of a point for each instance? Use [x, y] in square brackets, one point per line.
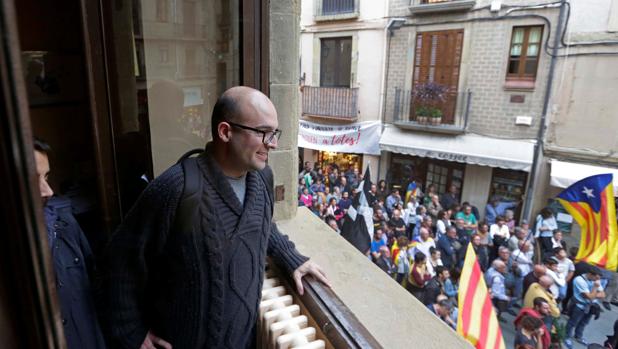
[197, 289]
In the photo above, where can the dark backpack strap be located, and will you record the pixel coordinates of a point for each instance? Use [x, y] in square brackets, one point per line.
[190, 200]
[268, 179]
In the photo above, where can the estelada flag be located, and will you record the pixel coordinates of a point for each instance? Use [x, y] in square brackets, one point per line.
[477, 321]
[591, 203]
[411, 191]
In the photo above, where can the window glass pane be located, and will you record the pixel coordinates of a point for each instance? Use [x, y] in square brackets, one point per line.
[516, 50]
[533, 50]
[518, 35]
[535, 35]
[173, 59]
[513, 67]
[530, 68]
[336, 62]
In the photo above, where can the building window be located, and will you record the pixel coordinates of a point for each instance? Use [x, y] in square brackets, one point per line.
[524, 53]
[335, 62]
[335, 7]
[162, 11]
[437, 57]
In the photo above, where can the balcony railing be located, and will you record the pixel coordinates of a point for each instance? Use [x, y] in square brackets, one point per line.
[433, 6]
[330, 102]
[335, 9]
[454, 110]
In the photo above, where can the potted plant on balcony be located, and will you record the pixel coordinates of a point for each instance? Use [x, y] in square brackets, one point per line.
[428, 97]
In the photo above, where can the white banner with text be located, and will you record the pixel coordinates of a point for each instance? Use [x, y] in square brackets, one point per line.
[359, 138]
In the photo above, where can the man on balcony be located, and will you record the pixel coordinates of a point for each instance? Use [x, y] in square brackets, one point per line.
[188, 273]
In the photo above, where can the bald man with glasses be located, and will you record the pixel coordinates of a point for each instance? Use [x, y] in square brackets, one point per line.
[194, 280]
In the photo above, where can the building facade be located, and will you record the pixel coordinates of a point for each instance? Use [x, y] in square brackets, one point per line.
[342, 69]
[465, 92]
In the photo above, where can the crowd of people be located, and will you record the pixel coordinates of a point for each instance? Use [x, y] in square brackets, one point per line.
[420, 239]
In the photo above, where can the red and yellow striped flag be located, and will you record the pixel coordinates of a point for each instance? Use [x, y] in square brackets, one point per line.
[591, 203]
[477, 321]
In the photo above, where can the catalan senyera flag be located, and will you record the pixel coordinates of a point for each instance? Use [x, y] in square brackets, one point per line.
[591, 203]
[477, 321]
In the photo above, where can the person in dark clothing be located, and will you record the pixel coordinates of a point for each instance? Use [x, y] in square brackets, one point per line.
[451, 248]
[72, 262]
[450, 199]
[533, 276]
[191, 277]
[435, 286]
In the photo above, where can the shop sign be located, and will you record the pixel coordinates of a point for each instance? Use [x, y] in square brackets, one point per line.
[360, 138]
[447, 156]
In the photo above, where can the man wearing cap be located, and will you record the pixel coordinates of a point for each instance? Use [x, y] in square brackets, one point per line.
[587, 291]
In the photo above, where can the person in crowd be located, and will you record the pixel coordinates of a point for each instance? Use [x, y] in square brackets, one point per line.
[473, 209]
[523, 256]
[307, 170]
[422, 220]
[434, 206]
[423, 243]
[443, 310]
[551, 270]
[481, 252]
[519, 235]
[529, 334]
[499, 233]
[435, 286]
[318, 209]
[382, 190]
[385, 262]
[402, 261]
[541, 289]
[496, 208]
[378, 217]
[317, 186]
[509, 221]
[345, 201]
[566, 268]
[392, 200]
[165, 281]
[397, 224]
[587, 292]
[332, 222]
[483, 233]
[418, 276]
[72, 258]
[435, 259]
[512, 276]
[333, 177]
[495, 279]
[544, 229]
[557, 241]
[323, 195]
[450, 198]
[470, 220]
[611, 291]
[443, 221]
[462, 232]
[541, 311]
[428, 197]
[451, 287]
[534, 276]
[306, 198]
[450, 247]
[409, 217]
[372, 196]
[379, 240]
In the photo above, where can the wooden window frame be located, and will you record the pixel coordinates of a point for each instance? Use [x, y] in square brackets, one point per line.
[336, 39]
[521, 75]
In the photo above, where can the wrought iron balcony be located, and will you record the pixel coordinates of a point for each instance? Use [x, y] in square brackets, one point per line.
[454, 113]
[330, 102]
[433, 6]
[326, 10]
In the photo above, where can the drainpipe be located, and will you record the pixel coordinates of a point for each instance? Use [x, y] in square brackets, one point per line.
[393, 23]
[538, 147]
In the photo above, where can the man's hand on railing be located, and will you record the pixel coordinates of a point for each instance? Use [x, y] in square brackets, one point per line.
[309, 268]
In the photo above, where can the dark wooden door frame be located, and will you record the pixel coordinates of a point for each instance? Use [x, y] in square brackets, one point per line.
[255, 48]
[29, 312]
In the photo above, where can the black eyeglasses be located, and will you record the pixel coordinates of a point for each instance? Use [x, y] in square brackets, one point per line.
[267, 136]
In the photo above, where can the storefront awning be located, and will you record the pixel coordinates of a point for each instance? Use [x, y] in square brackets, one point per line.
[467, 148]
[563, 173]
